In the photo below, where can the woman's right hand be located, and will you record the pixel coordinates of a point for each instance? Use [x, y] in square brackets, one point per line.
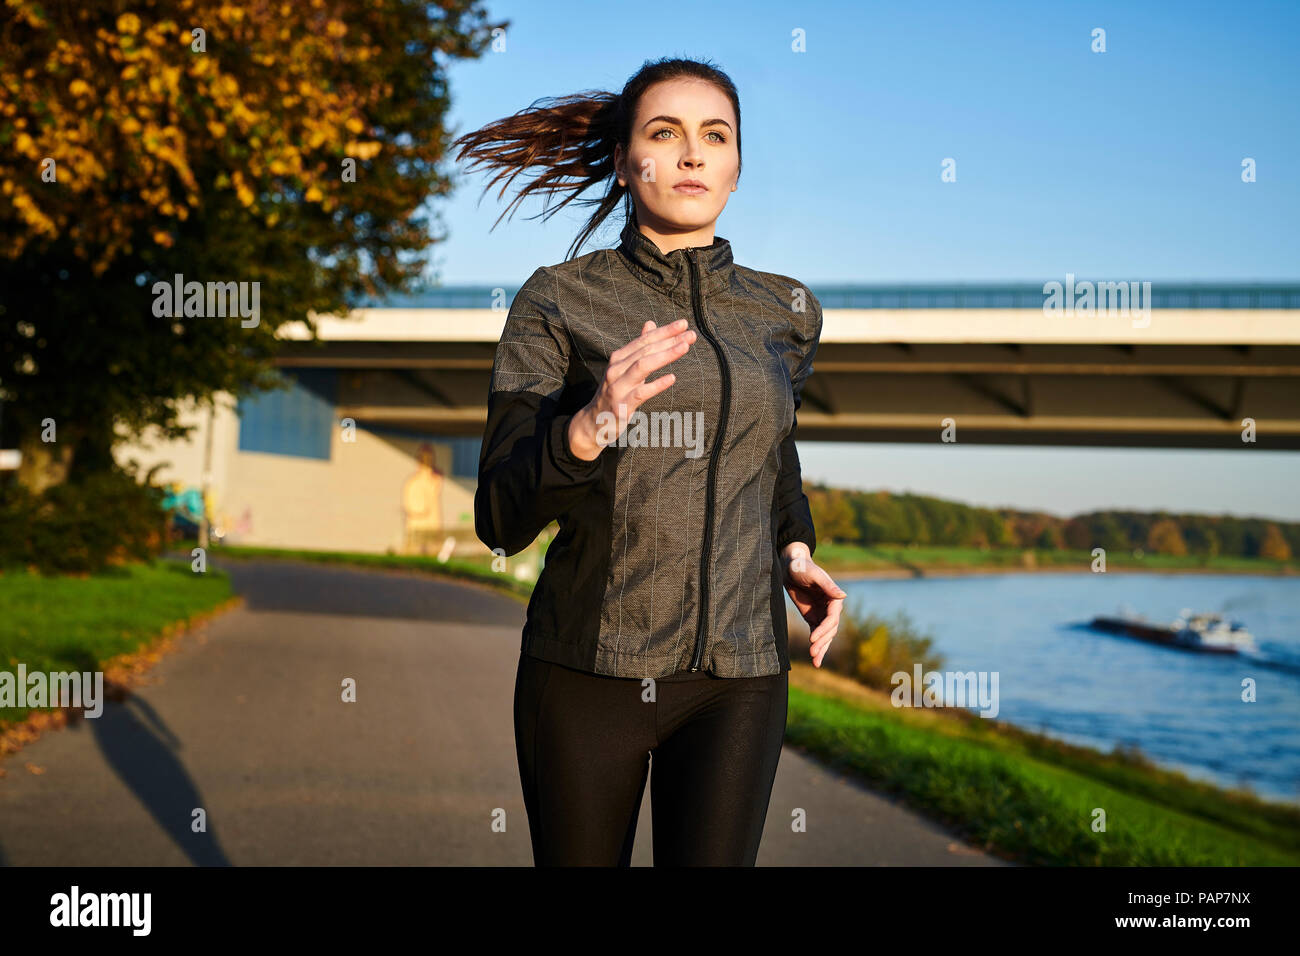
[624, 387]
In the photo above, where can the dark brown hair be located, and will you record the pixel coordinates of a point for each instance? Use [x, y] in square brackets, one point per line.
[573, 138]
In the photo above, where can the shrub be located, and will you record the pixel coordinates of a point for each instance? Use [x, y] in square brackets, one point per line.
[874, 648]
[82, 525]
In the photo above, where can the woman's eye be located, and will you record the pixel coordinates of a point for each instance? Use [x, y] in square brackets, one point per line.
[713, 132]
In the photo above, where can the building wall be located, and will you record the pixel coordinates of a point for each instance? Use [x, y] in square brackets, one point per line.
[351, 500]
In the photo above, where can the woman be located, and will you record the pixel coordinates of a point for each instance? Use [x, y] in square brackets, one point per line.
[657, 627]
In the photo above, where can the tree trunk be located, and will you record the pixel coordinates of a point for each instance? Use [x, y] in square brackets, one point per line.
[44, 464]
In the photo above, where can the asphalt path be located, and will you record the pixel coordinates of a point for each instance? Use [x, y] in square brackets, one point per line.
[243, 727]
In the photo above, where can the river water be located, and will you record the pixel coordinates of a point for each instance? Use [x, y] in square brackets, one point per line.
[1183, 710]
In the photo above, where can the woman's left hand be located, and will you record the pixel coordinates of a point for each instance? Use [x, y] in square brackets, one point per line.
[818, 598]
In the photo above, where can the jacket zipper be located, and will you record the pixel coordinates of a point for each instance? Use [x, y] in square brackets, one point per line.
[713, 461]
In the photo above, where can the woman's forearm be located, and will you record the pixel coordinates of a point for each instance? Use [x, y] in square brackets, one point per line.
[793, 551]
[582, 435]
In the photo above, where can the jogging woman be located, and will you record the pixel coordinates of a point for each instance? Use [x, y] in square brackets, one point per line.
[656, 633]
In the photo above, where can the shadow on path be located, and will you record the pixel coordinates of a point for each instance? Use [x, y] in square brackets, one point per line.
[143, 752]
[310, 588]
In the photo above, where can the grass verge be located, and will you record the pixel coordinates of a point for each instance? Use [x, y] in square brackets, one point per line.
[100, 621]
[1028, 798]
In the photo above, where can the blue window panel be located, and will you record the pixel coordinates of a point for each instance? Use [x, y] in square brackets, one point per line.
[464, 456]
[298, 421]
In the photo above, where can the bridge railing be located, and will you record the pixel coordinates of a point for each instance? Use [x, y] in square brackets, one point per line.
[918, 296]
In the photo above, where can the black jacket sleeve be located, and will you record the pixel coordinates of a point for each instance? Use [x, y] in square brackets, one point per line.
[528, 475]
[794, 517]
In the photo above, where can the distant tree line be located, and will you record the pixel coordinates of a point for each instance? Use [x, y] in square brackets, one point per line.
[880, 517]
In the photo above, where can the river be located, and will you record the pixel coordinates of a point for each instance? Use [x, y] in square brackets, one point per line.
[1184, 710]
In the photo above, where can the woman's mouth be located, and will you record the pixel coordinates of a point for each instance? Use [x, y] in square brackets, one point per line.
[691, 187]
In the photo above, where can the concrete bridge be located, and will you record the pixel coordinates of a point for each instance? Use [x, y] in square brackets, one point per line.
[1177, 366]
[334, 461]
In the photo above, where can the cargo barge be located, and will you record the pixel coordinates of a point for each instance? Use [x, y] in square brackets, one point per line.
[1206, 633]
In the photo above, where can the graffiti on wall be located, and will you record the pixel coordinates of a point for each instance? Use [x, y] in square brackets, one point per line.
[422, 503]
[186, 506]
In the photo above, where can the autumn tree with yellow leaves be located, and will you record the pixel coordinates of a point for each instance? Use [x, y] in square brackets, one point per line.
[295, 145]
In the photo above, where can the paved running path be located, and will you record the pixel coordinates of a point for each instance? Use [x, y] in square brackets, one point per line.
[244, 719]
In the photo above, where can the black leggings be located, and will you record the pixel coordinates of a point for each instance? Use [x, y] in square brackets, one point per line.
[584, 743]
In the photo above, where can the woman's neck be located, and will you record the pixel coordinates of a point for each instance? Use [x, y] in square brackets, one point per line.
[669, 239]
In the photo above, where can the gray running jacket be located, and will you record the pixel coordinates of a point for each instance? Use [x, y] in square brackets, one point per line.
[667, 557]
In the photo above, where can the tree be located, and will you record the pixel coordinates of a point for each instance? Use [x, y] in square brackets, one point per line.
[833, 515]
[1166, 538]
[286, 147]
[1077, 534]
[1274, 546]
[883, 520]
[1110, 533]
[1010, 530]
[1049, 538]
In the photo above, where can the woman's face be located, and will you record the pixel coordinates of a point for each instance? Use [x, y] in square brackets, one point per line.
[684, 129]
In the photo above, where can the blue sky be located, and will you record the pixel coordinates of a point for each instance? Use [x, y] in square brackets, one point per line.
[1123, 164]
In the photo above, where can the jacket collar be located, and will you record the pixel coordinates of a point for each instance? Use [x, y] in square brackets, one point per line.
[671, 273]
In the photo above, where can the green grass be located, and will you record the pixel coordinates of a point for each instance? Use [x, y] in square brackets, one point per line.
[1030, 799]
[59, 623]
[845, 558]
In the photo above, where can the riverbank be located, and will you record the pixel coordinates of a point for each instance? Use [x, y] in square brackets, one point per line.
[842, 573]
[1031, 798]
[896, 561]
